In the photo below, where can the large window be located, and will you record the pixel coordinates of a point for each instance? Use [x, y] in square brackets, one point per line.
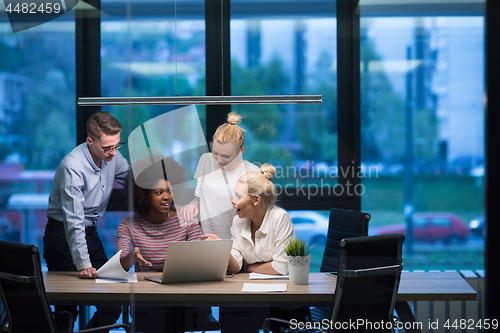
[144, 53]
[288, 55]
[151, 54]
[37, 94]
[422, 119]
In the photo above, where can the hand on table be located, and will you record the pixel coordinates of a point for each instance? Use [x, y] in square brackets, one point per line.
[210, 237]
[88, 273]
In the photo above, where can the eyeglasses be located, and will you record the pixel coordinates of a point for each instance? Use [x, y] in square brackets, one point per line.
[106, 150]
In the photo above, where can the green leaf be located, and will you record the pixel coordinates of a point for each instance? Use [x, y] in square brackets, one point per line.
[297, 247]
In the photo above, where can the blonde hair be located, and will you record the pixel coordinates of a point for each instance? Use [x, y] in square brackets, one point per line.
[260, 183]
[230, 131]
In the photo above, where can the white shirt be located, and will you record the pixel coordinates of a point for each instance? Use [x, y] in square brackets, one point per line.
[215, 189]
[270, 239]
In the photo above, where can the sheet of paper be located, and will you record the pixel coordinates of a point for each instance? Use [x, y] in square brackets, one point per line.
[132, 278]
[260, 287]
[113, 269]
[259, 276]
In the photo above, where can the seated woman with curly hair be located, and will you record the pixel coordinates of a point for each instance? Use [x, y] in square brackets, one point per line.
[144, 236]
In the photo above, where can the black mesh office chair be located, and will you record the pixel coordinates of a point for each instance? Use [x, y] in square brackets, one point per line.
[24, 306]
[367, 284]
[343, 224]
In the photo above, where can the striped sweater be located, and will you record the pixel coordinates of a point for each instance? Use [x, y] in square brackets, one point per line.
[152, 239]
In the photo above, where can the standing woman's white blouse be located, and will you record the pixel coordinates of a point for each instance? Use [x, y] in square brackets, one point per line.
[270, 239]
[215, 188]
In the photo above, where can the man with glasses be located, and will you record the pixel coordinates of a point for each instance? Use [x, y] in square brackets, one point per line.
[82, 187]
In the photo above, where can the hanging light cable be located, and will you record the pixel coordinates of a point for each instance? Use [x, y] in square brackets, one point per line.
[175, 45]
[222, 45]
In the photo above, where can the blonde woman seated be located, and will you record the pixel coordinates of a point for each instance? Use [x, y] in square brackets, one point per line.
[261, 229]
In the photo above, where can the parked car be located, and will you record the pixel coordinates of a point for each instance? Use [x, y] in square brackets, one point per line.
[477, 226]
[432, 227]
[310, 226]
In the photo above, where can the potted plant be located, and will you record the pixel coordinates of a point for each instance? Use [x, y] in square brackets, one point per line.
[299, 260]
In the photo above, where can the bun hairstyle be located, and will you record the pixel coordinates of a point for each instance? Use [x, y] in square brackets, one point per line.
[230, 131]
[259, 183]
[233, 118]
[268, 171]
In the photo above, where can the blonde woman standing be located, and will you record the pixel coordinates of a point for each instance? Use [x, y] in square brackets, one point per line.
[216, 176]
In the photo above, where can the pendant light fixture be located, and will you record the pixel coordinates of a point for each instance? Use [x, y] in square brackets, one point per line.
[199, 100]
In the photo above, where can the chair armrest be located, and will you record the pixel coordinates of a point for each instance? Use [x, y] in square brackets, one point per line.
[372, 271]
[107, 328]
[64, 321]
[267, 323]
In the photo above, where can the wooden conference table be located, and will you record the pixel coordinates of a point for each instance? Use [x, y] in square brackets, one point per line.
[67, 288]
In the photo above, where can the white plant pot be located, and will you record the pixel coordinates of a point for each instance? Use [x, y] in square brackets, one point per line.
[298, 269]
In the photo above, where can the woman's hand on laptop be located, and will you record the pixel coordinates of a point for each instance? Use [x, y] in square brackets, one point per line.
[210, 237]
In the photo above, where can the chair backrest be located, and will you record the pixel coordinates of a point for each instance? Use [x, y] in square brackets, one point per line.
[368, 280]
[22, 289]
[343, 224]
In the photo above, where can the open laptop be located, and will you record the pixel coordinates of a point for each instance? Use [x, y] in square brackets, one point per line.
[195, 261]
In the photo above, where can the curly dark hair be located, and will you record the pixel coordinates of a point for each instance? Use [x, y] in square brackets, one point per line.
[146, 182]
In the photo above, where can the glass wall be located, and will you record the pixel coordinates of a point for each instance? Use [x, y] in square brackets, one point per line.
[422, 130]
[422, 114]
